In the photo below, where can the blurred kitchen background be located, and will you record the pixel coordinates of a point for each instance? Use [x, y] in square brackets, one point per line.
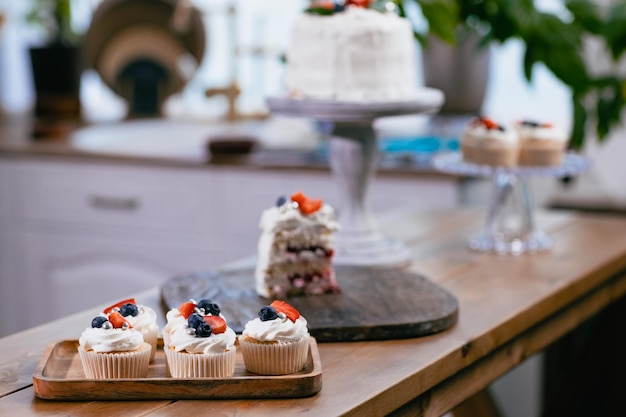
[127, 184]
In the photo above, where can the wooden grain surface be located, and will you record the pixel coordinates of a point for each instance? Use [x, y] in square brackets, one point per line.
[374, 303]
[509, 306]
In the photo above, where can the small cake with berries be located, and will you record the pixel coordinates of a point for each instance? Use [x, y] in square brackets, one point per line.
[276, 342]
[142, 318]
[541, 144]
[111, 349]
[177, 317]
[485, 142]
[295, 250]
[202, 347]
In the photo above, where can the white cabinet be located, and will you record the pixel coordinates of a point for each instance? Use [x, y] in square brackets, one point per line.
[74, 233]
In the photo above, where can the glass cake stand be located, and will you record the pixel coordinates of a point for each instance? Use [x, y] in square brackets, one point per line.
[510, 227]
[353, 152]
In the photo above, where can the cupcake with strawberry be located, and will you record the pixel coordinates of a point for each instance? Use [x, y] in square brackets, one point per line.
[485, 142]
[177, 316]
[141, 318]
[276, 342]
[541, 143]
[111, 349]
[202, 347]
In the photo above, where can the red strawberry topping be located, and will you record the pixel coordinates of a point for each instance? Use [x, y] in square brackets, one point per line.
[358, 3]
[218, 325]
[186, 309]
[117, 320]
[118, 305]
[282, 307]
[306, 204]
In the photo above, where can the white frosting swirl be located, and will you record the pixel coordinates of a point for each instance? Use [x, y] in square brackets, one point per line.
[286, 217]
[174, 321]
[180, 340]
[277, 330]
[545, 132]
[145, 320]
[478, 132]
[110, 340]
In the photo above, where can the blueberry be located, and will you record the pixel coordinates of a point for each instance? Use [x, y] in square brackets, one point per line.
[267, 313]
[209, 307]
[195, 320]
[97, 322]
[129, 309]
[203, 330]
[281, 200]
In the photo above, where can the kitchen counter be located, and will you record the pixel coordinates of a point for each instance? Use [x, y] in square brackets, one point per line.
[510, 308]
[72, 142]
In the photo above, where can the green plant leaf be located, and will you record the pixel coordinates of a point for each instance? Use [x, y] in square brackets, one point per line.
[579, 121]
[615, 30]
[442, 17]
[586, 15]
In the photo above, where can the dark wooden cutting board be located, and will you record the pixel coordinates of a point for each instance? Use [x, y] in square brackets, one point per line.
[374, 304]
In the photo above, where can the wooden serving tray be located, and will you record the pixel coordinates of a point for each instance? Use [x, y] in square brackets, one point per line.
[374, 303]
[59, 376]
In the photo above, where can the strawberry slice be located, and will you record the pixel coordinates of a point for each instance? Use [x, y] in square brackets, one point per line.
[358, 3]
[282, 307]
[489, 123]
[186, 309]
[218, 325]
[117, 320]
[118, 305]
[305, 204]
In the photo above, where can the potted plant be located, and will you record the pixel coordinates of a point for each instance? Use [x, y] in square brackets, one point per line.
[56, 64]
[598, 100]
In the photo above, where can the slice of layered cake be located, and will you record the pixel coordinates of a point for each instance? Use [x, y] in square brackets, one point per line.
[295, 250]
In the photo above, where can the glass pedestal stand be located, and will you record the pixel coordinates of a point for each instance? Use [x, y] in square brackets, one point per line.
[353, 153]
[510, 226]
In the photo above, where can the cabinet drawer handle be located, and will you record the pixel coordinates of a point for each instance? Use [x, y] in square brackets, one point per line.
[114, 203]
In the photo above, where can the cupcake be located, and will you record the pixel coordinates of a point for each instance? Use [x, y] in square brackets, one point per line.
[484, 142]
[204, 347]
[141, 318]
[177, 317]
[541, 144]
[276, 342]
[111, 349]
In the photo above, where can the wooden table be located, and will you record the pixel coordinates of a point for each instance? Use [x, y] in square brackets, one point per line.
[510, 308]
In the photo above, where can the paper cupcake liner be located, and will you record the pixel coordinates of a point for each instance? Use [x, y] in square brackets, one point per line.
[274, 358]
[200, 365]
[150, 336]
[115, 365]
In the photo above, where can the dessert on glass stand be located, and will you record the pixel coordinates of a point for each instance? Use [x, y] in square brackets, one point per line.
[348, 65]
[510, 155]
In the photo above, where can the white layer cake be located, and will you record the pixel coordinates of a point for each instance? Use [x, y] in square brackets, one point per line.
[357, 54]
[295, 250]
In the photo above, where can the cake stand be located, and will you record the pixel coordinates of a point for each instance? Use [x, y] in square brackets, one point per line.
[353, 153]
[510, 226]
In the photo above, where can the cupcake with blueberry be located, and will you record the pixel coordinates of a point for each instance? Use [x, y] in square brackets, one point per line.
[111, 349]
[541, 144]
[276, 342]
[485, 142]
[203, 347]
[141, 318]
[177, 316]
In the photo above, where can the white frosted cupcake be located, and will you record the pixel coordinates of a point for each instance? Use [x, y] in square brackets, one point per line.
[276, 342]
[141, 318]
[112, 349]
[177, 317]
[541, 144]
[203, 348]
[484, 142]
